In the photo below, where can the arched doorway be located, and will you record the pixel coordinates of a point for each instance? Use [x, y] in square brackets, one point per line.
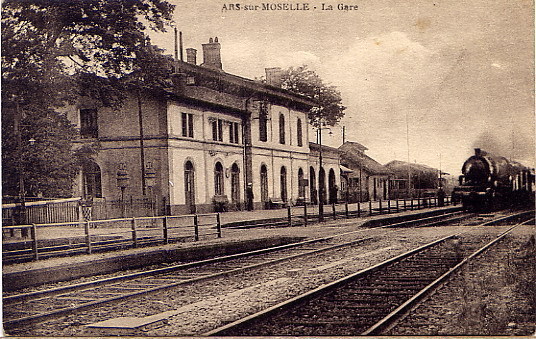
[235, 186]
[189, 186]
[301, 187]
[322, 185]
[284, 196]
[91, 174]
[312, 187]
[333, 189]
[264, 186]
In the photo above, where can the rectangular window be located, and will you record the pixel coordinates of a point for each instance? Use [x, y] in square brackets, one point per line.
[191, 125]
[88, 123]
[184, 124]
[217, 130]
[236, 132]
[299, 133]
[214, 130]
[187, 125]
[281, 129]
[233, 132]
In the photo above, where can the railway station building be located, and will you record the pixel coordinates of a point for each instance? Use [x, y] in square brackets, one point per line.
[213, 141]
[367, 178]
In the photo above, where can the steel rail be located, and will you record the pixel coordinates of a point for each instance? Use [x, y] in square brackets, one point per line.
[131, 276]
[91, 284]
[321, 289]
[384, 323]
[63, 311]
[330, 286]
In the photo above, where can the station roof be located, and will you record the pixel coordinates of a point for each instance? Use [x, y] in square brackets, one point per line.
[353, 155]
[398, 165]
[197, 78]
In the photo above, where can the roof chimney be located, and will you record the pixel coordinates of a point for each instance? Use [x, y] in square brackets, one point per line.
[191, 56]
[274, 76]
[211, 54]
[478, 152]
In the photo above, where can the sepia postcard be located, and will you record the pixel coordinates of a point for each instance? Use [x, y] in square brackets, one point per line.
[256, 168]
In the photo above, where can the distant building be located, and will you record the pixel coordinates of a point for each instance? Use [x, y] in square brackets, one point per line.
[368, 179]
[423, 180]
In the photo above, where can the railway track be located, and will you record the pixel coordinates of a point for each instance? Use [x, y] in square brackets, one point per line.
[368, 301]
[24, 308]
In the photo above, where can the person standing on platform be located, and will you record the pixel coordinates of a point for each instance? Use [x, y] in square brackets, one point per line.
[441, 197]
[249, 196]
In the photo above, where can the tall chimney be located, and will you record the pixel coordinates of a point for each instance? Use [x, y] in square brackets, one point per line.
[176, 45]
[274, 76]
[181, 46]
[212, 54]
[191, 56]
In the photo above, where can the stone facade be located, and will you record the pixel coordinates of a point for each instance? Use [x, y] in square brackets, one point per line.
[200, 143]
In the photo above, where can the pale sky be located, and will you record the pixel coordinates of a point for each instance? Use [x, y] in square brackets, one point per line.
[455, 74]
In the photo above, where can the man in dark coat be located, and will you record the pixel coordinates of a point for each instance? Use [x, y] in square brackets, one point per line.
[249, 196]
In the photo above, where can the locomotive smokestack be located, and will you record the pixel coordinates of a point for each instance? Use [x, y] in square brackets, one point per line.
[478, 152]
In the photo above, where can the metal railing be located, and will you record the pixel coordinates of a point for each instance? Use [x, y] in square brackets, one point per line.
[67, 210]
[97, 235]
[89, 236]
[299, 216]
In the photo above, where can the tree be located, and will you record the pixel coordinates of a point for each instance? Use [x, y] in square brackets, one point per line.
[54, 52]
[306, 82]
[45, 159]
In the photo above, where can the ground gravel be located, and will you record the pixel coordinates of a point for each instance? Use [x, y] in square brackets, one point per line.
[493, 296]
[203, 306]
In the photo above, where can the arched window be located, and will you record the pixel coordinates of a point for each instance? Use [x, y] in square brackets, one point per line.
[281, 129]
[300, 133]
[92, 180]
[283, 183]
[218, 179]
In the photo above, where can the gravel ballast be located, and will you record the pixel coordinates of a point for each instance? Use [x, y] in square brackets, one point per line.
[494, 295]
[209, 304]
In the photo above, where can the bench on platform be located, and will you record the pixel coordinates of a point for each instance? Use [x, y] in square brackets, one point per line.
[277, 203]
[300, 201]
[221, 203]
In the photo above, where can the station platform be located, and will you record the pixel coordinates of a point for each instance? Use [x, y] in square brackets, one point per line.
[233, 240]
[230, 218]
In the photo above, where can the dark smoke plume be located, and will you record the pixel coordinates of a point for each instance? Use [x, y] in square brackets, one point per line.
[515, 147]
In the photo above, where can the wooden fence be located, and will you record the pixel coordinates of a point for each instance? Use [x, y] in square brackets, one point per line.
[69, 210]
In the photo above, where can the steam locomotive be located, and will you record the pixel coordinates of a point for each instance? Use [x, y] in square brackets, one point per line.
[491, 182]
